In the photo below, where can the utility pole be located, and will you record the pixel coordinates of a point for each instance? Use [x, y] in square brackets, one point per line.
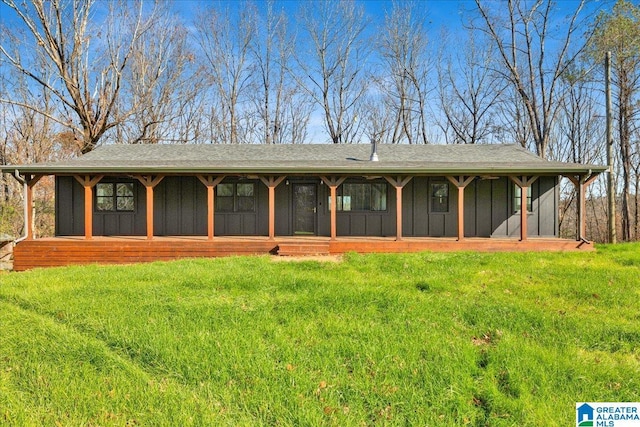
[611, 192]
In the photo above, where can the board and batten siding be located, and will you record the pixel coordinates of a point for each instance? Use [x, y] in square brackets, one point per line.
[489, 210]
[355, 223]
[254, 223]
[70, 211]
[180, 209]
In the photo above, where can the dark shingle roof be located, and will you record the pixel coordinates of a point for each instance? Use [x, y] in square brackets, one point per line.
[308, 159]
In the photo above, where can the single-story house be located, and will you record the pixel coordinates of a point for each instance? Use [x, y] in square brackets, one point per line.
[127, 203]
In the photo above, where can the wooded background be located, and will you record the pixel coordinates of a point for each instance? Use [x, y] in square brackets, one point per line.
[78, 74]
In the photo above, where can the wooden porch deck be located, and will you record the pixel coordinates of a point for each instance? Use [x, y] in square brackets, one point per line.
[59, 251]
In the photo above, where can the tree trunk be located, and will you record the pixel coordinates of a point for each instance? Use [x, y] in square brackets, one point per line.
[625, 152]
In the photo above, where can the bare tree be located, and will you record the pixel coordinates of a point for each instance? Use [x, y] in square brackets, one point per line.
[333, 72]
[619, 32]
[28, 136]
[89, 59]
[635, 162]
[269, 46]
[578, 136]
[283, 107]
[225, 41]
[405, 67]
[162, 82]
[512, 124]
[469, 92]
[580, 126]
[10, 191]
[380, 119]
[533, 50]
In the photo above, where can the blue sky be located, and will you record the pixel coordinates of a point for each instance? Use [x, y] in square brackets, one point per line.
[440, 14]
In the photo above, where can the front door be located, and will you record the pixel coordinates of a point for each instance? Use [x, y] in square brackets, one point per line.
[304, 209]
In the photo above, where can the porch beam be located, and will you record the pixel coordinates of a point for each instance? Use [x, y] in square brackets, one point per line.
[150, 182]
[460, 182]
[272, 182]
[210, 182]
[524, 182]
[333, 183]
[398, 182]
[88, 182]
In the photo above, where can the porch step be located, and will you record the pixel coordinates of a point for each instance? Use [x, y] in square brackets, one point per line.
[303, 248]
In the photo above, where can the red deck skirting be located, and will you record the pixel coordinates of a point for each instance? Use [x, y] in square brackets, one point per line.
[61, 251]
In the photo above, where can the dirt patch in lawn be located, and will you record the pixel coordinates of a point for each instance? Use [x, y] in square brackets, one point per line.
[319, 258]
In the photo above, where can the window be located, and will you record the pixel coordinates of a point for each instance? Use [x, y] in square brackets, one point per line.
[440, 197]
[362, 197]
[517, 198]
[224, 197]
[235, 197]
[245, 199]
[114, 197]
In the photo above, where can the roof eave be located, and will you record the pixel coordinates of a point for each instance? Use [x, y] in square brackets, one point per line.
[344, 170]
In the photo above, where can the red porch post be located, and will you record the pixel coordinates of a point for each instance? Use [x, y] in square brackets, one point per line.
[28, 221]
[210, 182]
[88, 183]
[398, 182]
[524, 182]
[333, 183]
[149, 182]
[272, 182]
[582, 182]
[461, 183]
[523, 212]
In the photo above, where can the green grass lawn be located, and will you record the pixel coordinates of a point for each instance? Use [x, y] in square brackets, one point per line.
[428, 339]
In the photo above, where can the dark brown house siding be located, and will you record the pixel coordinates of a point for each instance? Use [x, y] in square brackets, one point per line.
[70, 211]
[69, 207]
[359, 223]
[489, 210]
[180, 208]
[253, 223]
